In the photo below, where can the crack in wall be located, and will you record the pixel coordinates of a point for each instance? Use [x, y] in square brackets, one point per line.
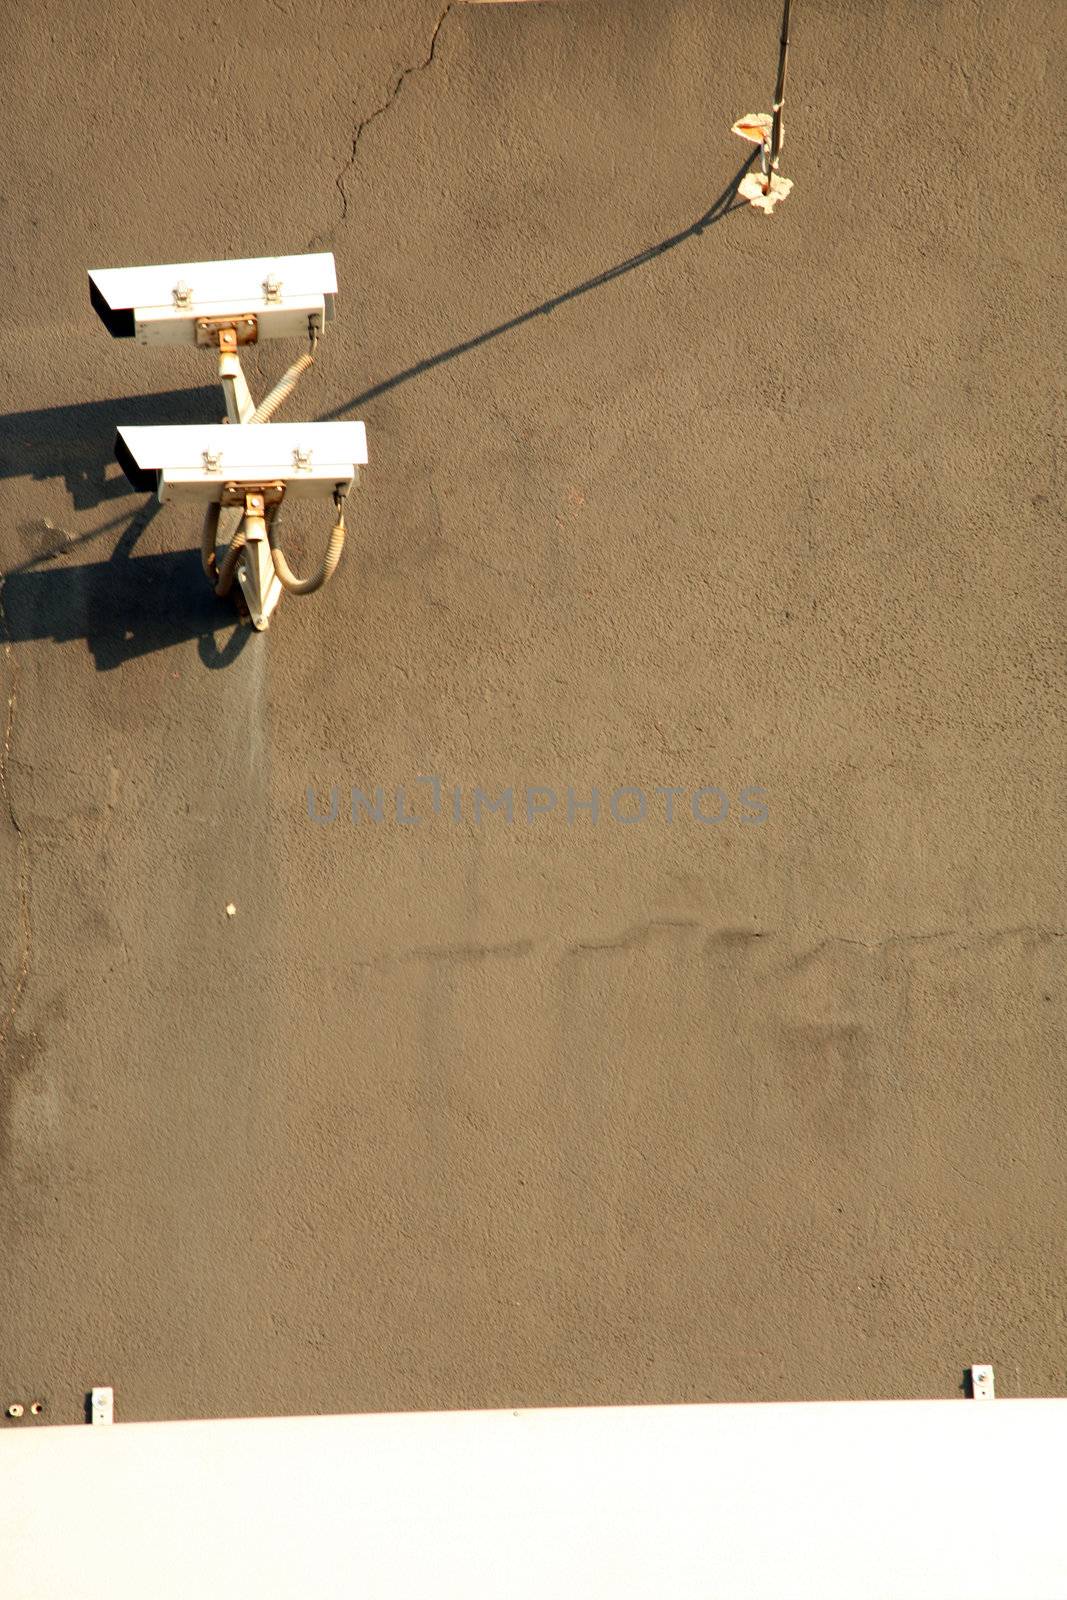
[22, 874]
[379, 111]
[730, 939]
[984, 936]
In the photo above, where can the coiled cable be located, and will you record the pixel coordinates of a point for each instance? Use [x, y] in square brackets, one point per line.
[286, 576]
[287, 383]
[220, 578]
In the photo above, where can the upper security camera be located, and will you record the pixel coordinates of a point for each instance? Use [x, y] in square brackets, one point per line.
[273, 297]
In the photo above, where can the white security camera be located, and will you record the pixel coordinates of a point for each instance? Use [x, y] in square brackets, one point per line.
[243, 474]
[306, 459]
[240, 469]
[273, 297]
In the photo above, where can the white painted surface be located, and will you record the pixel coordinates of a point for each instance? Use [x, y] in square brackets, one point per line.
[249, 453]
[217, 282]
[260, 445]
[920, 1500]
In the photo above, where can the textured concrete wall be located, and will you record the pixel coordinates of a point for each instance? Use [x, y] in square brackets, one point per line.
[458, 1114]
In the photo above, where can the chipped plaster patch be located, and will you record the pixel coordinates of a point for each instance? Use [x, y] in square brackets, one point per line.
[751, 189]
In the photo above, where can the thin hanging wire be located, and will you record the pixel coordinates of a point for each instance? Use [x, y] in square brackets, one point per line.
[779, 96]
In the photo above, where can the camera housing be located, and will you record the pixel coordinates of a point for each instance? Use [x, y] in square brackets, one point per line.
[305, 460]
[267, 297]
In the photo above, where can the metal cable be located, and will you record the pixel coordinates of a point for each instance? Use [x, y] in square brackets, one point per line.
[779, 99]
[286, 384]
[286, 576]
[220, 578]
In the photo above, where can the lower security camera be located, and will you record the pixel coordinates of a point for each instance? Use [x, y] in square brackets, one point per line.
[305, 459]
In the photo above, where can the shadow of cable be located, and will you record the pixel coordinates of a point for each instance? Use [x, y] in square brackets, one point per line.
[720, 208]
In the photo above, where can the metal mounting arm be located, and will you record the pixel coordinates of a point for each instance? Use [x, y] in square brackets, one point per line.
[255, 572]
[240, 522]
[240, 407]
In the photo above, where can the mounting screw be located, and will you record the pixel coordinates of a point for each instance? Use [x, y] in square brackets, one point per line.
[982, 1382]
[102, 1405]
[14, 1409]
[36, 1408]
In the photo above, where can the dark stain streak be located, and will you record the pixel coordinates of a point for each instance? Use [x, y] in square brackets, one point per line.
[18, 1061]
[467, 953]
[968, 941]
[735, 938]
[633, 936]
[724, 941]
